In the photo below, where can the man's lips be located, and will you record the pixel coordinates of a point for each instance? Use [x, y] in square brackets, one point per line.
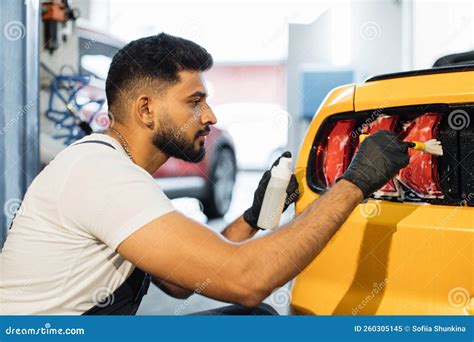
[204, 133]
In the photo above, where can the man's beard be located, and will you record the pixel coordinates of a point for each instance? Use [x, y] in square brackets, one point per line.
[173, 142]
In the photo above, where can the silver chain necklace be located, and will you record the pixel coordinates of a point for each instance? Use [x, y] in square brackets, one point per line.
[124, 143]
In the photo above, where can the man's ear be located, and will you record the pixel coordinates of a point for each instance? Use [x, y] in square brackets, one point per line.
[144, 111]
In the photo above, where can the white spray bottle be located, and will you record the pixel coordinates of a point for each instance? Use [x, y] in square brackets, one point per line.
[275, 195]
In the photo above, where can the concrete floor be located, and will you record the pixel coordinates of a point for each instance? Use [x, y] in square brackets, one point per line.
[156, 302]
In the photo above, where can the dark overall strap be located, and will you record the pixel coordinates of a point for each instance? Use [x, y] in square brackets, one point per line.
[95, 142]
[126, 299]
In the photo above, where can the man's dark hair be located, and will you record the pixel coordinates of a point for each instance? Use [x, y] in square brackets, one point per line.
[152, 61]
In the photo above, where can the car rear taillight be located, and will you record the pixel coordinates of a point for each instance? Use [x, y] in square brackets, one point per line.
[334, 153]
[426, 178]
[420, 176]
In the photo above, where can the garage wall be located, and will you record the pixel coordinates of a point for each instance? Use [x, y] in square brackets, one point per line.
[307, 44]
[247, 83]
[375, 38]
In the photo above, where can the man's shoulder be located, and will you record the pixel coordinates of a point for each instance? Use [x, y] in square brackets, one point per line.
[96, 153]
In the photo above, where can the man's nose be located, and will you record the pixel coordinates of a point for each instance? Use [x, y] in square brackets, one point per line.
[208, 117]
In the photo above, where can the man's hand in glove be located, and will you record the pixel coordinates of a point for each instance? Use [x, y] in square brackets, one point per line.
[251, 214]
[380, 156]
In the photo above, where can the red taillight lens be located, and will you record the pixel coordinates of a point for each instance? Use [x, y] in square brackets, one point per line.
[338, 141]
[420, 175]
[334, 152]
[383, 122]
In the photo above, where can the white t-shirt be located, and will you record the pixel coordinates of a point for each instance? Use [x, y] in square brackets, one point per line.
[60, 255]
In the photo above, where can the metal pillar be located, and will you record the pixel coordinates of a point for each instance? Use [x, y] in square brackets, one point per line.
[19, 104]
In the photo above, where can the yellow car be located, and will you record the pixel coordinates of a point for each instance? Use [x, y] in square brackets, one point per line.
[410, 248]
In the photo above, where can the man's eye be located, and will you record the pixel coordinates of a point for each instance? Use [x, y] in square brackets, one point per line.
[195, 103]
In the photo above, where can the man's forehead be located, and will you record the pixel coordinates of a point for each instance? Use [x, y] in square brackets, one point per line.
[191, 82]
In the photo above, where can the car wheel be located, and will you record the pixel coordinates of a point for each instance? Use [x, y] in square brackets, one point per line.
[221, 184]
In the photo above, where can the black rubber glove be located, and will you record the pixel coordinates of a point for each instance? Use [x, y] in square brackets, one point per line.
[292, 193]
[380, 156]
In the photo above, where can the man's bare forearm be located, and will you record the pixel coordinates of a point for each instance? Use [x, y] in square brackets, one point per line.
[239, 230]
[278, 257]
